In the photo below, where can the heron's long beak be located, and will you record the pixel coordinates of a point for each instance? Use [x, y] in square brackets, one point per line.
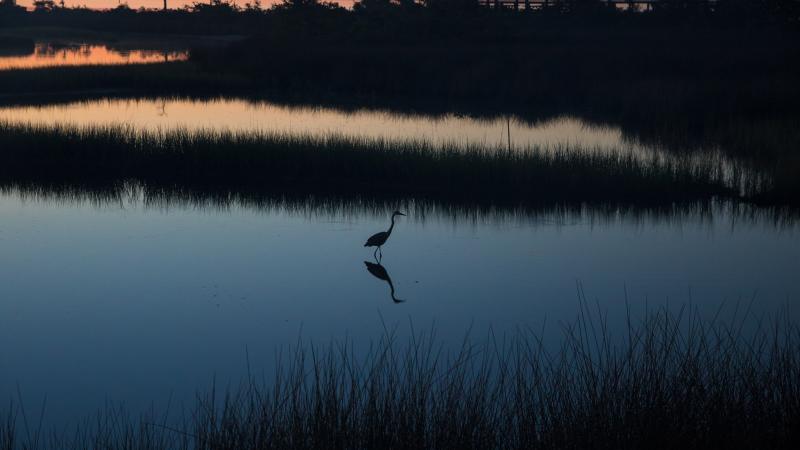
[401, 214]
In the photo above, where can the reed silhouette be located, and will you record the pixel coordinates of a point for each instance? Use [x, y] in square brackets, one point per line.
[378, 271]
[349, 166]
[671, 380]
[378, 239]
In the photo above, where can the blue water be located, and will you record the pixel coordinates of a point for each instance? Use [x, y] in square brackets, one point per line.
[137, 305]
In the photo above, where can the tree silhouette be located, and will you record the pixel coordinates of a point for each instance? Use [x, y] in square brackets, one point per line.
[44, 5]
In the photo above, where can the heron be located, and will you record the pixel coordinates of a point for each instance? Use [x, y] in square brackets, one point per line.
[378, 239]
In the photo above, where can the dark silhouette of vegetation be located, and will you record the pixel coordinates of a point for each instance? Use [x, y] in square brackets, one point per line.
[698, 73]
[670, 72]
[624, 68]
[352, 166]
[677, 74]
[670, 380]
[405, 19]
[307, 202]
[724, 73]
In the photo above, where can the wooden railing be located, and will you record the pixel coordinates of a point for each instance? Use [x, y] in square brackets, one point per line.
[539, 4]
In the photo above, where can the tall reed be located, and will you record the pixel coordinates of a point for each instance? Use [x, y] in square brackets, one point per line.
[354, 166]
[669, 380]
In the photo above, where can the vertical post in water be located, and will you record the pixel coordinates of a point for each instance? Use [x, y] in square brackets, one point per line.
[165, 5]
[508, 127]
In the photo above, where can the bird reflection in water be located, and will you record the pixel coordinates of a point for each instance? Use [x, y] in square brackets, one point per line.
[379, 272]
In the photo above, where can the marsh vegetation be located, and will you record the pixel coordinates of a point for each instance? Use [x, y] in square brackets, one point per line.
[654, 73]
[229, 233]
[368, 167]
[670, 380]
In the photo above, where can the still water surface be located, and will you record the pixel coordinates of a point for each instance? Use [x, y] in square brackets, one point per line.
[139, 301]
[236, 115]
[52, 55]
[135, 304]
[245, 116]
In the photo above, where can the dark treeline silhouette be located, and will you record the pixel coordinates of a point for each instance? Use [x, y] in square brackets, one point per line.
[674, 71]
[680, 72]
[649, 64]
[386, 17]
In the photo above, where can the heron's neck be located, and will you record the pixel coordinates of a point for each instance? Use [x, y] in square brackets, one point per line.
[389, 231]
[391, 288]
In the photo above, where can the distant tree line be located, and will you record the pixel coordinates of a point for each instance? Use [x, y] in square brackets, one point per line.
[224, 16]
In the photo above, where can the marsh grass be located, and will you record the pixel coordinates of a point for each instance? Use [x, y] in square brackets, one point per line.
[332, 206]
[670, 380]
[339, 165]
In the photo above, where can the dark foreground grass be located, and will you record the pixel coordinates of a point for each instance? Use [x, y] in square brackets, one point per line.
[254, 162]
[673, 380]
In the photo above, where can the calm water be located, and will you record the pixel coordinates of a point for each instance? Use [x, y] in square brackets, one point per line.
[139, 300]
[565, 133]
[127, 303]
[236, 115]
[50, 55]
[243, 116]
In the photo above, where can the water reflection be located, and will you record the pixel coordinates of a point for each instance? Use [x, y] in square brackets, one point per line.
[135, 196]
[212, 275]
[378, 271]
[79, 54]
[246, 116]
[564, 134]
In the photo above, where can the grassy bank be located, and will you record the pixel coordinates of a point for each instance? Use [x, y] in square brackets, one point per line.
[115, 37]
[670, 380]
[682, 68]
[681, 76]
[348, 166]
[648, 67]
[678, 84]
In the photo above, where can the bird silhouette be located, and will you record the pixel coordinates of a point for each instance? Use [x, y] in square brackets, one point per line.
[379, 272]
[378, 239]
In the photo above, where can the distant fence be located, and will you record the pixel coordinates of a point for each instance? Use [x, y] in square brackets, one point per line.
[622, 4]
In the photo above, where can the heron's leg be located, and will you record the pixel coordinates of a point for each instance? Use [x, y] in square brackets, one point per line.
[375, 253]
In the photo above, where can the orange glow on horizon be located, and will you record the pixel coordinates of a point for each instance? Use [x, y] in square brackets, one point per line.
[242, 116]
[81, 55]
[157, 4]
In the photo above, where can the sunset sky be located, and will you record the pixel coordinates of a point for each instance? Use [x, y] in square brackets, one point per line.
[103, 4]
